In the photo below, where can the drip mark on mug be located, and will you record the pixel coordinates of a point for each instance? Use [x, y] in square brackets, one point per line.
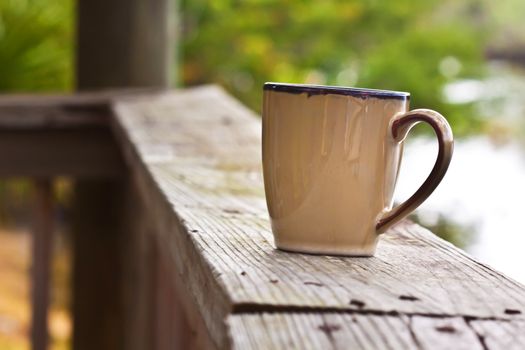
[353, 132]
[324, 151]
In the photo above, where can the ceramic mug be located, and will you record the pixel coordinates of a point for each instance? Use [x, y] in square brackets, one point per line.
[331, 156]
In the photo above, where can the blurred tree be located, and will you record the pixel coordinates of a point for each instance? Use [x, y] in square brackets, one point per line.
[36, 45]
[401, 45]
[36, 54]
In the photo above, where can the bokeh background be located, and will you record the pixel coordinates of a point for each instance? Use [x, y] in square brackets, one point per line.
[464, 58]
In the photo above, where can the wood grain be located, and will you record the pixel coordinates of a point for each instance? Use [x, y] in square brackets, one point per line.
[359, 331]
[500, 335]
[195, 157]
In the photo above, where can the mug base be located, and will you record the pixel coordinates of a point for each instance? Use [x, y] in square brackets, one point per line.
[332, 251]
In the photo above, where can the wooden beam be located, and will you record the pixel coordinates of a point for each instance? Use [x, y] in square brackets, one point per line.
[83, 109]
[41, 261]
[309, 330]
[195, 155]
[124, 43]
[88, 152]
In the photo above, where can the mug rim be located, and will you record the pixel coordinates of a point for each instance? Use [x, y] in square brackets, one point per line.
[312, 89]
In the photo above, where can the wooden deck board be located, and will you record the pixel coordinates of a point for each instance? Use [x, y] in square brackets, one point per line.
[195, 157]
[361, 331]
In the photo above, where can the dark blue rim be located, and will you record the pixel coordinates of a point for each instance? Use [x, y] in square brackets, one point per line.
[337, 90]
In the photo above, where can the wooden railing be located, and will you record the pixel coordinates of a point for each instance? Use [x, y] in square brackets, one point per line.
[173, 247]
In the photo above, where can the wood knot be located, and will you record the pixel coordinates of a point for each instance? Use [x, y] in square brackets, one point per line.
[243, 273]
[446, 329]
[408, 297]
[274, 281]
[194, 231]
[357, 303]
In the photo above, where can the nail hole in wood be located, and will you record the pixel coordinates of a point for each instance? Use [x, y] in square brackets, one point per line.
[446, 329]
[512, 312]
[231, 211]
[357, 303]
[310, 283]
[328, 329]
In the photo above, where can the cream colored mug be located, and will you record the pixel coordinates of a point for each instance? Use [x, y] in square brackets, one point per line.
[331, 157]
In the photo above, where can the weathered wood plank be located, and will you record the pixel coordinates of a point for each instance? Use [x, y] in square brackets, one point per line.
[500, 335]
[444, 333]
[366, 331]
[60, 111]
[195, 156]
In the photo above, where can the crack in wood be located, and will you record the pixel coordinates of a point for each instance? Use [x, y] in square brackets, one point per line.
[252, 308]
[413, 334]
[481, 338]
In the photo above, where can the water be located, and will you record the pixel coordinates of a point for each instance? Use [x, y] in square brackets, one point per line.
[483, 193]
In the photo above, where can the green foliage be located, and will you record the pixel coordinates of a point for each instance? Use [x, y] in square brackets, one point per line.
[398, 45]
[35, 45]
[460, 235]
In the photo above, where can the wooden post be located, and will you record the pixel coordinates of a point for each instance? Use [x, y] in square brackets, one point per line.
[41, 261]
[120, 43]
[125, 43]
[97, 301]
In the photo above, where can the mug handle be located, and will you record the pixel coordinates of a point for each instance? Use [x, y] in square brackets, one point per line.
[399, 128]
